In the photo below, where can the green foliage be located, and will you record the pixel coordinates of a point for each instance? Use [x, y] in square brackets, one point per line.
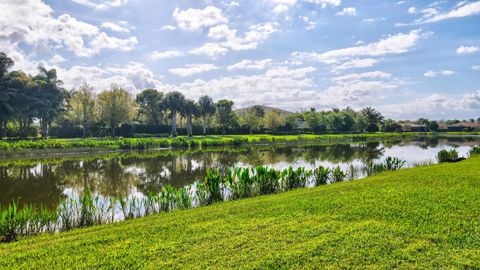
[447, 156]
[475, 151]
[321, 175]
[390, 164]
[338, 175]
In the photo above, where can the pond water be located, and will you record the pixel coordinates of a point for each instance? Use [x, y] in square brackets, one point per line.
[45, 181]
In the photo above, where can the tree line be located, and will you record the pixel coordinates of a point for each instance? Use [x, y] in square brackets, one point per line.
[42, 99]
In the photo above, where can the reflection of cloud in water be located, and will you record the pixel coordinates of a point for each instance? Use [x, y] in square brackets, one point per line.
[414, 154]
[135, 170]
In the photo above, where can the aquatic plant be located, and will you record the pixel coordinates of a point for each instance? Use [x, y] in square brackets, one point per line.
[292, 179]
[338, 175]
[321, 175]
[474, 151]
[447, 156]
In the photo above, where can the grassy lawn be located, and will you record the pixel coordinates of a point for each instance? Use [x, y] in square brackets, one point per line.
[427, 217]
[196, 141]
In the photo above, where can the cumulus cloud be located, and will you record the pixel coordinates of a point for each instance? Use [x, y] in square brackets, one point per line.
[101, 5]
[396, 44]
[476, 68]
[115, 27]
[467, 49]
[434, 74]
[196, 19]
[249, 64]
[212, 50]
[155, 55]
[57, 59]
[348, 11]
[325, 3]
[32, 23]
[192, 69]
[356, 63]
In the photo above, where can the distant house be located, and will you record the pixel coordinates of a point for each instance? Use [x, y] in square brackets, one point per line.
[464, 126]
[411, 127]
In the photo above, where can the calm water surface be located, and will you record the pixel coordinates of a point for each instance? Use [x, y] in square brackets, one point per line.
[46, 181]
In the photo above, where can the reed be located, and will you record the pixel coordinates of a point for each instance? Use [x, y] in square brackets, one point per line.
[321, 175]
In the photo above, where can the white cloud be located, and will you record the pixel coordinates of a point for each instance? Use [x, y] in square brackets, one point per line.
[56, 59]
[115, 27]
[155, 55]
[249, 64]
[287, 72]
[32, 23]
[464, 10]
[348, 11]
[168, 28]
[476, 68]
[195, 19]
[396, 44]
[192, 69]
[434, 74]
[257, 34]
[221, 32]
[325, 3]
[412, 10]
[358, 76]
[212, 50]
[356, 63]
[102, 5]
[467, 49]
[280, 9]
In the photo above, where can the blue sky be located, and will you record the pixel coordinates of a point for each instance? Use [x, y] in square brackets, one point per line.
[408, 58]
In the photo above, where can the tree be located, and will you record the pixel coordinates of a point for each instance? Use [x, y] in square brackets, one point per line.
[206, 109]
[7, 94]
[115, 106]
[273, 120]
[433, 126]
[373, 118]
[253, 118]
[190, 109]
[224, 113]
[174, 102]
[150, 105]
[49, 98]
[391, 126]
[82, 107]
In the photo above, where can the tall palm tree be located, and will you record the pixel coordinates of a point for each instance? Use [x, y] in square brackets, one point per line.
[174, 102]
[206, 108]
[373, 117]
[190, 109]
[50, 97]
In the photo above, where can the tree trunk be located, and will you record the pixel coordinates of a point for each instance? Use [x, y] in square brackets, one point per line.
[174, 124]
[223, 129]
[3, 127]
[112, 131]
[189, 125]
[205, 125]
[84, 131]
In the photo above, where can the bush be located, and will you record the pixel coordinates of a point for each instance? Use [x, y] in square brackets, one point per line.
[127, 130]
[475, 151]
[447, 156]
[321, 175]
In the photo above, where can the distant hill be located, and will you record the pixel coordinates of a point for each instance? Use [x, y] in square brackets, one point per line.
[266, 109]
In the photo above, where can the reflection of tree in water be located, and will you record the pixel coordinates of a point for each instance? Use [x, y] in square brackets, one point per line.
[105, 176]
[34, 184]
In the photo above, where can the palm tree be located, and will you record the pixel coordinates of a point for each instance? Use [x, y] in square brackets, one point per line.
[206, 108]
[174, 102]
[190, 109]
[50, 97]
[373, 117]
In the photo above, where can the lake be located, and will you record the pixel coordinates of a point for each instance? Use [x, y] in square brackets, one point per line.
[45, 181]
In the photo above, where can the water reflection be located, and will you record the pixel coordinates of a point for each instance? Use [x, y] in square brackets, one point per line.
[46, 181]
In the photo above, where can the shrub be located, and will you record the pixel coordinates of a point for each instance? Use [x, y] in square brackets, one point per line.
[475, 151]
[321, 175]
[338, 175]
[447, 156]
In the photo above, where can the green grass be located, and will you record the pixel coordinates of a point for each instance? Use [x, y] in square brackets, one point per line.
[196, 141]
[426, 217]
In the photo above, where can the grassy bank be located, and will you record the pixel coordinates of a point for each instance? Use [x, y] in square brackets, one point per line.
[425, 217]
[196, 141]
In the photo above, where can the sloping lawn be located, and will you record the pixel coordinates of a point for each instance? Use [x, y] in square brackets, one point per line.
[427, 217]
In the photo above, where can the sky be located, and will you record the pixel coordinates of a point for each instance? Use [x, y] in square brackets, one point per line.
[408, 59]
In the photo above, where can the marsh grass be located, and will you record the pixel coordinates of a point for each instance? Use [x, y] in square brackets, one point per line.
[447, 156]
